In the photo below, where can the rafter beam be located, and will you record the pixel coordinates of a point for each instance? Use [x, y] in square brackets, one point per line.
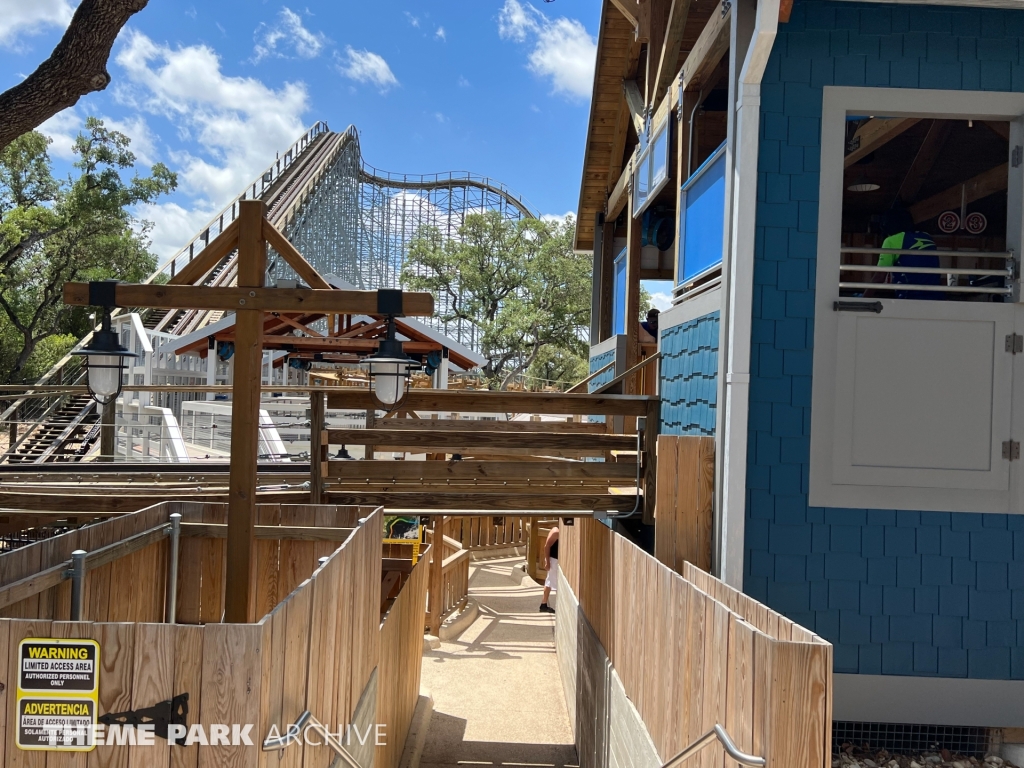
[209, 257]
[876, 133]
[630, 9]
[980, 186]
[635, 101]
[677, 16]
[709, 49]
[926, 157]
[302, 300]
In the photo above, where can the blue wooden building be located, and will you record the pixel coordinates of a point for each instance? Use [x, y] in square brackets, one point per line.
[836, 190]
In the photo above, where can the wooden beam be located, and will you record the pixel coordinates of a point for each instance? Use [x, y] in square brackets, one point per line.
[709, 49]
[654, 24]
[301, 300]
[785, 11]
[289, 253]
[677, 16]
[981, 186]
[876, 132]
[620, 193]
[484, 501]
[446, 442]
[79, 501]
[926, 157]
[239, 600]
[299, 326]
[461, 425]
[463, 401]
[414, 471]
[999, 127]
[209, 257]
[630, 9]
[289, 532]
[317, 448]
[635, 101]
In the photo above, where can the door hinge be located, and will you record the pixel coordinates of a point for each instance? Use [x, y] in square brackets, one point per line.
[1011, 450]
[1017, 156]
[1014, 343]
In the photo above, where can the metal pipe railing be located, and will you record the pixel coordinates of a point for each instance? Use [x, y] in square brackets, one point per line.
[727, 743]
[172, 575]
[305, 722]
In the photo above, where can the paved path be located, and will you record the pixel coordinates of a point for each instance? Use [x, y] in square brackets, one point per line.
[497, 694]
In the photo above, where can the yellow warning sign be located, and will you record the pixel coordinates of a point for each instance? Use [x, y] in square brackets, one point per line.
[58, 694]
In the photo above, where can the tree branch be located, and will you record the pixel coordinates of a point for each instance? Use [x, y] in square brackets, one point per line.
[77, 66]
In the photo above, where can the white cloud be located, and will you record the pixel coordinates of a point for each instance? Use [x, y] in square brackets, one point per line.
[19, 19]
[287, 38]
[366, 67]
[137, 129]
[563, 50]
[62, 129]
[440, 34]
[463, 82]
[660, 292]
[554, 218]
[233, 127]
[414, 21]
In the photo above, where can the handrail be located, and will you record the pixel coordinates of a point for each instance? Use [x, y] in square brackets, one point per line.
[623, 376]
[578, 387]
[304, 722]
[727, 743]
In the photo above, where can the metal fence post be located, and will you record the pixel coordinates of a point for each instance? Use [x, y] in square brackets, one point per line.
[172, 573]
[77, 583]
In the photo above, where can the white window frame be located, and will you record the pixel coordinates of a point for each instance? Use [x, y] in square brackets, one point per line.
[837, 103]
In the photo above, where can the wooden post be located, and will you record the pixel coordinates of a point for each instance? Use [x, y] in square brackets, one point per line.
[14, 429]
[607, 279]
[436, 574]
[317, 455]
[371, 420]
[649, 457]
[632, 325]
[107, 431]
[248, 357]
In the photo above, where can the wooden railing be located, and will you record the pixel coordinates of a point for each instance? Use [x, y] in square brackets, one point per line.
[401, 657]
[484, 533]
[692, 652]
[448, 585]
[314, 650]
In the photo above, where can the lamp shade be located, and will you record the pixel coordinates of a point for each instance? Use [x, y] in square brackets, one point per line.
[389, 378]
[104, 357]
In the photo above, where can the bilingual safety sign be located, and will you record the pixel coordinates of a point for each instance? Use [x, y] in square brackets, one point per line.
[58, 692]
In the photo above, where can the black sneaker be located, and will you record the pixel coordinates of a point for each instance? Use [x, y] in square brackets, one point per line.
[545, 608]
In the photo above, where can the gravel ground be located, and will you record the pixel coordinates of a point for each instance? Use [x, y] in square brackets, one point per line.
[854, 757]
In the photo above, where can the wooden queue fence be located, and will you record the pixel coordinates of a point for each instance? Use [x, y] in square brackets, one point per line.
[320, 642]
[684, 508]
[692, 652]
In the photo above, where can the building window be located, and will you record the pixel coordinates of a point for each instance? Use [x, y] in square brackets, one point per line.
[919, 229]
[619, 295]
[702, 218]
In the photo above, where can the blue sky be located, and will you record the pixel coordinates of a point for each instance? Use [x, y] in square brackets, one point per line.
[214, 89]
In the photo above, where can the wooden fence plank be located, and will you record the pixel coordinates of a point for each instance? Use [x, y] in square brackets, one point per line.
[19, 630]
[153, 682]
[231, 692]
[117, 668]
[188, 678]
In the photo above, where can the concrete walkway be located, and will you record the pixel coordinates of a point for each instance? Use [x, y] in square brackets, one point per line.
[497, 694]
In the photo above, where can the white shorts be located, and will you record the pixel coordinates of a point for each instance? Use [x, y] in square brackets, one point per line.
[551, 580]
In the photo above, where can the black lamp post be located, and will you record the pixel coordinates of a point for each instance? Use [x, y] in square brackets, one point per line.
[390, 369]
[104, 359]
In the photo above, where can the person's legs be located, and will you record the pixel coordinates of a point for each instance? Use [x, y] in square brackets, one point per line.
[550, 585]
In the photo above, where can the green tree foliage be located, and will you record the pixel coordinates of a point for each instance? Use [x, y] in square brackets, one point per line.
[519, 283]
[53, 231]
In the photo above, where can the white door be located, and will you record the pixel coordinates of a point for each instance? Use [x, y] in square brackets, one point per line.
[922, 396]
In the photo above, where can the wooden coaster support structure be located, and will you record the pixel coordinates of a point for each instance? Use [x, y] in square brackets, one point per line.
[250, 299]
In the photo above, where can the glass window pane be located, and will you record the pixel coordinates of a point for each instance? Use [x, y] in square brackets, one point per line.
[702, 222]
[619, 295]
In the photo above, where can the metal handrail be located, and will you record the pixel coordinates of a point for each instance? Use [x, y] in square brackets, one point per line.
[922, 251]
[727, 743]
[291, 736]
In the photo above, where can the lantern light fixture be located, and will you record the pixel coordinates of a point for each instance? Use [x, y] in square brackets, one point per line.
[104, 359]
[390, 369]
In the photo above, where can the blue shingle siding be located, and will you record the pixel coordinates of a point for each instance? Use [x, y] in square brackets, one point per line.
[689, 376]
[897, 592]
[597, 362]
